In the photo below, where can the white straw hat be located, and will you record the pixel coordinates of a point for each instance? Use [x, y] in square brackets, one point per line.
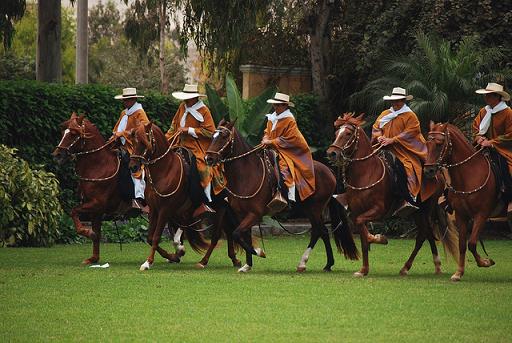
[189, 92]
[494, 88]
[397, 94]
[128, 93]
[281, 98]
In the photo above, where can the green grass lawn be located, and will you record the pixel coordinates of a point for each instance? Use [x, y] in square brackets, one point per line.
[47, 295]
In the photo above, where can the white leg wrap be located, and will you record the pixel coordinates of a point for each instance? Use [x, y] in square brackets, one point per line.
[245, 268]
[259, 251]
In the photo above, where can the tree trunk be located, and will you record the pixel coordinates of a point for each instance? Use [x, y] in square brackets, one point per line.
[163, 21]
[81, 42]
[319, 49]
[48, 54]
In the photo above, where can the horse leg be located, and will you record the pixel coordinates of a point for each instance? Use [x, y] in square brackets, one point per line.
[363, 233]
[305, 257]
[79, 227]
[328, 248]
[461, 224]
[154, 219]
[96, 226]
[177, 241]
[478, 225]
[231, 250]
[213, 243]
[240, 231]
[420, 238]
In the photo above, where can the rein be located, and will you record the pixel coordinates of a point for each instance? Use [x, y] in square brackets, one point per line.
[446, 152]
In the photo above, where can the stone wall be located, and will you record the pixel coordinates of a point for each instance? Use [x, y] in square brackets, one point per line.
[289, 80]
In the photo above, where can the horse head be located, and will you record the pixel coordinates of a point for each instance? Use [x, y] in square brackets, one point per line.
[222, 139]
[437, 146]
[143, 143]
[73, 131]
[347, 128]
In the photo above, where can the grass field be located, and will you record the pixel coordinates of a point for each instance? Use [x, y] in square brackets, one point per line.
[46, 296]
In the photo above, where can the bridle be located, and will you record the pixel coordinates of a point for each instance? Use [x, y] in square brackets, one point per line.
[83, 136]
[230, 142]
[446, 152]
[347, 159]
[144, 159]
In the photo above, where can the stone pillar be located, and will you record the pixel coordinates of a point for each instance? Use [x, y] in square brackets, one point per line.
[290, 80]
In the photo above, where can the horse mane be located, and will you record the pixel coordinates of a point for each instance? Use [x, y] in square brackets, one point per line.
[240, 139]
[349, 118]
[456, 133]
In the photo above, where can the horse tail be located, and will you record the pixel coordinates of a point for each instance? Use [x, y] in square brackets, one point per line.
[448, 233]
[342, 231]
[196, 240]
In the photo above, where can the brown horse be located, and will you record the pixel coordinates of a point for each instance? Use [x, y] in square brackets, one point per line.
[167, 193]
[473, 192]
[97, 167]
[366, 176]
[252, 181]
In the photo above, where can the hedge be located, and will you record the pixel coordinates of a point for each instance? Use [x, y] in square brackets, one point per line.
[31, 113]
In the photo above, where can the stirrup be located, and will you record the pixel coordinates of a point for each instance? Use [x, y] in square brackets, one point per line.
[277, 204]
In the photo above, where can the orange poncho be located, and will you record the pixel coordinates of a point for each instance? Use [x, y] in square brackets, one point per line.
[295, 162]
[135, 119]
[499, 133]
[204, 132]
[409, 145]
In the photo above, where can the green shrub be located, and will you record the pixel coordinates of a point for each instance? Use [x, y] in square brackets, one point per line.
[31, 113]
[29, 201]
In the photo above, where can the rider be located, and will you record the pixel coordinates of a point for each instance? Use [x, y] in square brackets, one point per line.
[195, 127]
[132, 116]
[492, 126]
[398, 128]
[295, 160]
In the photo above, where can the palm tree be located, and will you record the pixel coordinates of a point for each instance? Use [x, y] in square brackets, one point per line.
[250, 120]
[442, 77]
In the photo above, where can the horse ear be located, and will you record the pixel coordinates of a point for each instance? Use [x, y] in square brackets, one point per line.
[147, 126]
[73, 115]
[80, 119]
[132, 133]
[432, 125]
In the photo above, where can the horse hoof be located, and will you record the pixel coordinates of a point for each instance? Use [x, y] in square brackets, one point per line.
[260, 253]
[199, 265]
[173, 260]
[455, 277]
[438, 272]
[145, 266]
[381, 239]
[180, 250]
[404, 272]
[246, 268]
[301, 269]
[90, 260]
[237, 263]
[359, 274]
[327, 269]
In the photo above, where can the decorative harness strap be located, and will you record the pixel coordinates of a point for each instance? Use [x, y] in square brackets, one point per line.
[83, 135]
[446, 152]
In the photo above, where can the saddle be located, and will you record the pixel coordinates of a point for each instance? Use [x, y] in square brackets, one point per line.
[399, 176]
[195, 190]
[499, 167]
